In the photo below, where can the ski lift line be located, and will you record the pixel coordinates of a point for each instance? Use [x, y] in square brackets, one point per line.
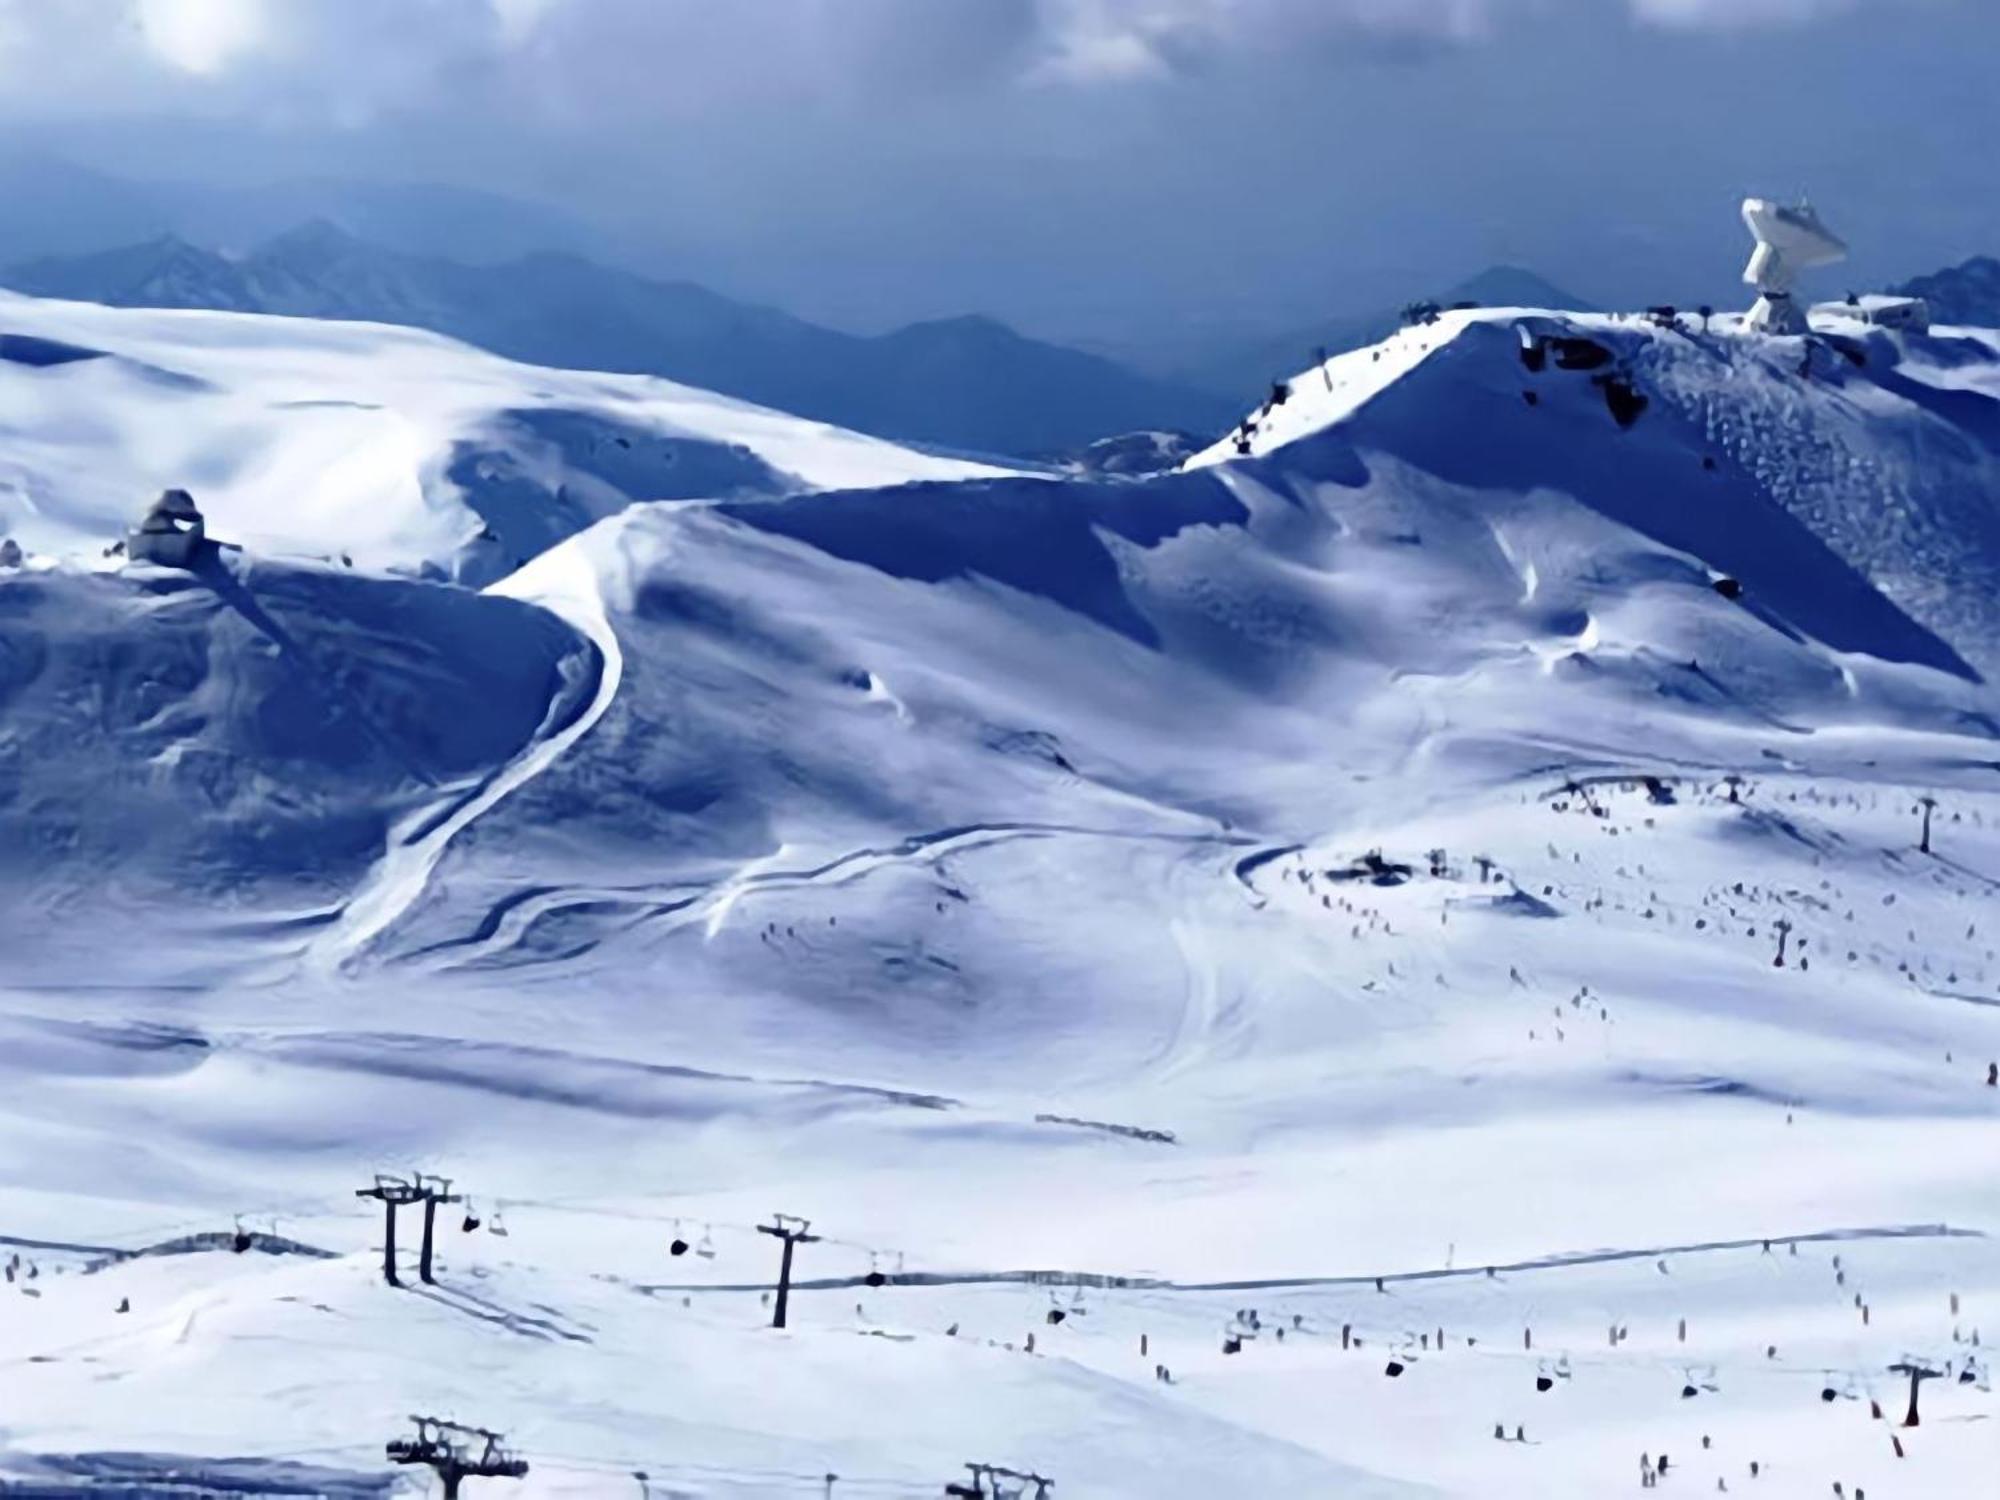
[719, 1226]
[709, 1226]
[1563, 1261]
[590, 1464]
[149, 1236]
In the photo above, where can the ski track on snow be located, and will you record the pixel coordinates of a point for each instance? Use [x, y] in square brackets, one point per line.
[677, 906]
[420, 841]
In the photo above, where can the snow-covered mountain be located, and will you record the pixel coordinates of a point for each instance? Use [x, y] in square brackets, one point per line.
[387, 447]
[1396, 961]
[1250, 364]
[969, 384]
[1967, 293]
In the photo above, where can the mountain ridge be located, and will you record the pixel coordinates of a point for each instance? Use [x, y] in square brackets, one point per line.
[1967, 294]
[1253, 363]
[969, 383]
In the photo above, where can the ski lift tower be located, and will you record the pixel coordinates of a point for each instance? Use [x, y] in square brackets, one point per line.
[1790, 239]
[456, 1453]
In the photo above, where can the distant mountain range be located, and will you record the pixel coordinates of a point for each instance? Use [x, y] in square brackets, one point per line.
[965, 383]
[56, 207]
[1966, 294]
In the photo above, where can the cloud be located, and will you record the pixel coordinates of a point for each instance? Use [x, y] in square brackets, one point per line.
[1112, 41]
[1089, 41]
[1734, 15]
[202, 36]
[342, 62]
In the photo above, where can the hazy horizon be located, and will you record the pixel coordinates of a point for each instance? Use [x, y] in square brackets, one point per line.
[1114, 173]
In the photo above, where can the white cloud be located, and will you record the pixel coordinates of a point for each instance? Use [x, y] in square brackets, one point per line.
[203, 37]
[1733, 15]
[1097, 40]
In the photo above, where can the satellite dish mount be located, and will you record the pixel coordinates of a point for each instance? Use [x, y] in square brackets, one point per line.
[1790, 239]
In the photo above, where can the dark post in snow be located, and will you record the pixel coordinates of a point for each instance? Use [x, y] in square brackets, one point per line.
[1918, 1373]
[393, 1193]
[436, 1190]
[1783, 928]
[456, 1453]
[1926, 804]
[793, 1232]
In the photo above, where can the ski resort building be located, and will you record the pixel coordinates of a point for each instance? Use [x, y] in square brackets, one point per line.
[171, 533]
[1880, 310]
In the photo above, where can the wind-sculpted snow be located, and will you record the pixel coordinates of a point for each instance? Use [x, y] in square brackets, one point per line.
[382, 446]
[1431, 958]
[186, 754]
[1029, 534]
[1847, 481]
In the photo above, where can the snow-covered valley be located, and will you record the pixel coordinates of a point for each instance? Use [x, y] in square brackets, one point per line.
[1396, 960]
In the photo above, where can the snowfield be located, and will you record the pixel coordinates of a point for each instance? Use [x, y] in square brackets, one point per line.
[1395, 961]
[393, 448]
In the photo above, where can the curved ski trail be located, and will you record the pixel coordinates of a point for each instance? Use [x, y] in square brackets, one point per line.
[564, 583]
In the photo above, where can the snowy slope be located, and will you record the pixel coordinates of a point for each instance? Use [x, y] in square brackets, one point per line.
[1336, 890]
[1881, 448]
[230, 752]
[394, 448]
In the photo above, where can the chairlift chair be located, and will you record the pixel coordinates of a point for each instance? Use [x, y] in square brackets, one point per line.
[471, 1218]
[706, 1248]
[498, 1223]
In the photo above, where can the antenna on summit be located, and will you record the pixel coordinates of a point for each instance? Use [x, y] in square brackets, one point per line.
[1790, 239]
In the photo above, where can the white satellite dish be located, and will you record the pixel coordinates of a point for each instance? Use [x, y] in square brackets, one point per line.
[1790, 239]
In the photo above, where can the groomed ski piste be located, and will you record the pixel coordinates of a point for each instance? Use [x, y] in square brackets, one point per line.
[1400, 960]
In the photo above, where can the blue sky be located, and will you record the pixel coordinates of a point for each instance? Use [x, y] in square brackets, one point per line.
[1110, 170]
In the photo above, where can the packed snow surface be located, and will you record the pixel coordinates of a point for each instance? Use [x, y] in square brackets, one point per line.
[1403, 961]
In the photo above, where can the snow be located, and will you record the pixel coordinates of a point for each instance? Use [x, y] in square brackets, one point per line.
[981, 867]
[389, 446]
